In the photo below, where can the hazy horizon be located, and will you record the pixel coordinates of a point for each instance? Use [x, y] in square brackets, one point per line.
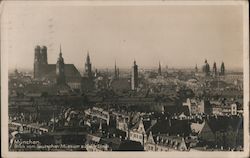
[177, 36]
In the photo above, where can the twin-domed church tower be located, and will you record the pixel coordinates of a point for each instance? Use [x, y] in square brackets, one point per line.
[41, 65]
[40, 61]
[60, 72]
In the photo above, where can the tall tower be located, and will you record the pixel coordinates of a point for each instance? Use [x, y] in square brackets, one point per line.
[134, 77]
[37, 62]
[40, 62]
[206, 68]
[60, 74]
[159, 69]
[88, 71]
[222, 69]
[43, 52]
[116, 71]
[214, 69]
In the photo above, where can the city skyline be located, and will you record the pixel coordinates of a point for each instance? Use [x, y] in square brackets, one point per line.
[158, 36]
[115, 64]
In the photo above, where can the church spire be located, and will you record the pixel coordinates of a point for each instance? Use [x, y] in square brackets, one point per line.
[88, 67]
[222, 68]
[60, 69]
[60, 49]
[88, 58]
[214, 69]
[159, 68]
[60, 58]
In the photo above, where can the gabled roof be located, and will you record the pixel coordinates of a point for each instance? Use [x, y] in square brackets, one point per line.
[150, 138]
[207, 133]
[197, 127]
[146, 124]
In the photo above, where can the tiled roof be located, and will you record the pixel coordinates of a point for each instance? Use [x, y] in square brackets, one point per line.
[170, 141]
[223, 123]
[177, 110]
[173, 127]
[129, 145]
[146, 124]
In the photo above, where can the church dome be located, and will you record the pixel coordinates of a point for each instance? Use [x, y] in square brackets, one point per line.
[44, 47]
[37, 47]
[206, 67]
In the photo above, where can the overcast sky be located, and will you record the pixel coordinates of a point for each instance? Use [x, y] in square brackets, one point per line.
[177, 36]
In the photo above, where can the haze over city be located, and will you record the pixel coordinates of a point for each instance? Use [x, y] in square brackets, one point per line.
[177, 36]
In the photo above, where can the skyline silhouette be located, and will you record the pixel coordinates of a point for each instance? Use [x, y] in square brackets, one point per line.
[176, 35]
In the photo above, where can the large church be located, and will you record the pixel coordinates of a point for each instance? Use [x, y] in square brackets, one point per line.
[60, 73]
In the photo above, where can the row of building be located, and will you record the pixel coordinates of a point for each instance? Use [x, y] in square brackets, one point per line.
[214, 72]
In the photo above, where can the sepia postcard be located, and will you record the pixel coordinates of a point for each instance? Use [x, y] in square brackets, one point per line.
[124, 79]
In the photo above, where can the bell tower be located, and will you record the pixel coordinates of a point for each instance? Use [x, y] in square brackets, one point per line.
[159, 69]
[60, 74]
[222, 69]
[134, 77]
[88, 67]
[37, 62]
